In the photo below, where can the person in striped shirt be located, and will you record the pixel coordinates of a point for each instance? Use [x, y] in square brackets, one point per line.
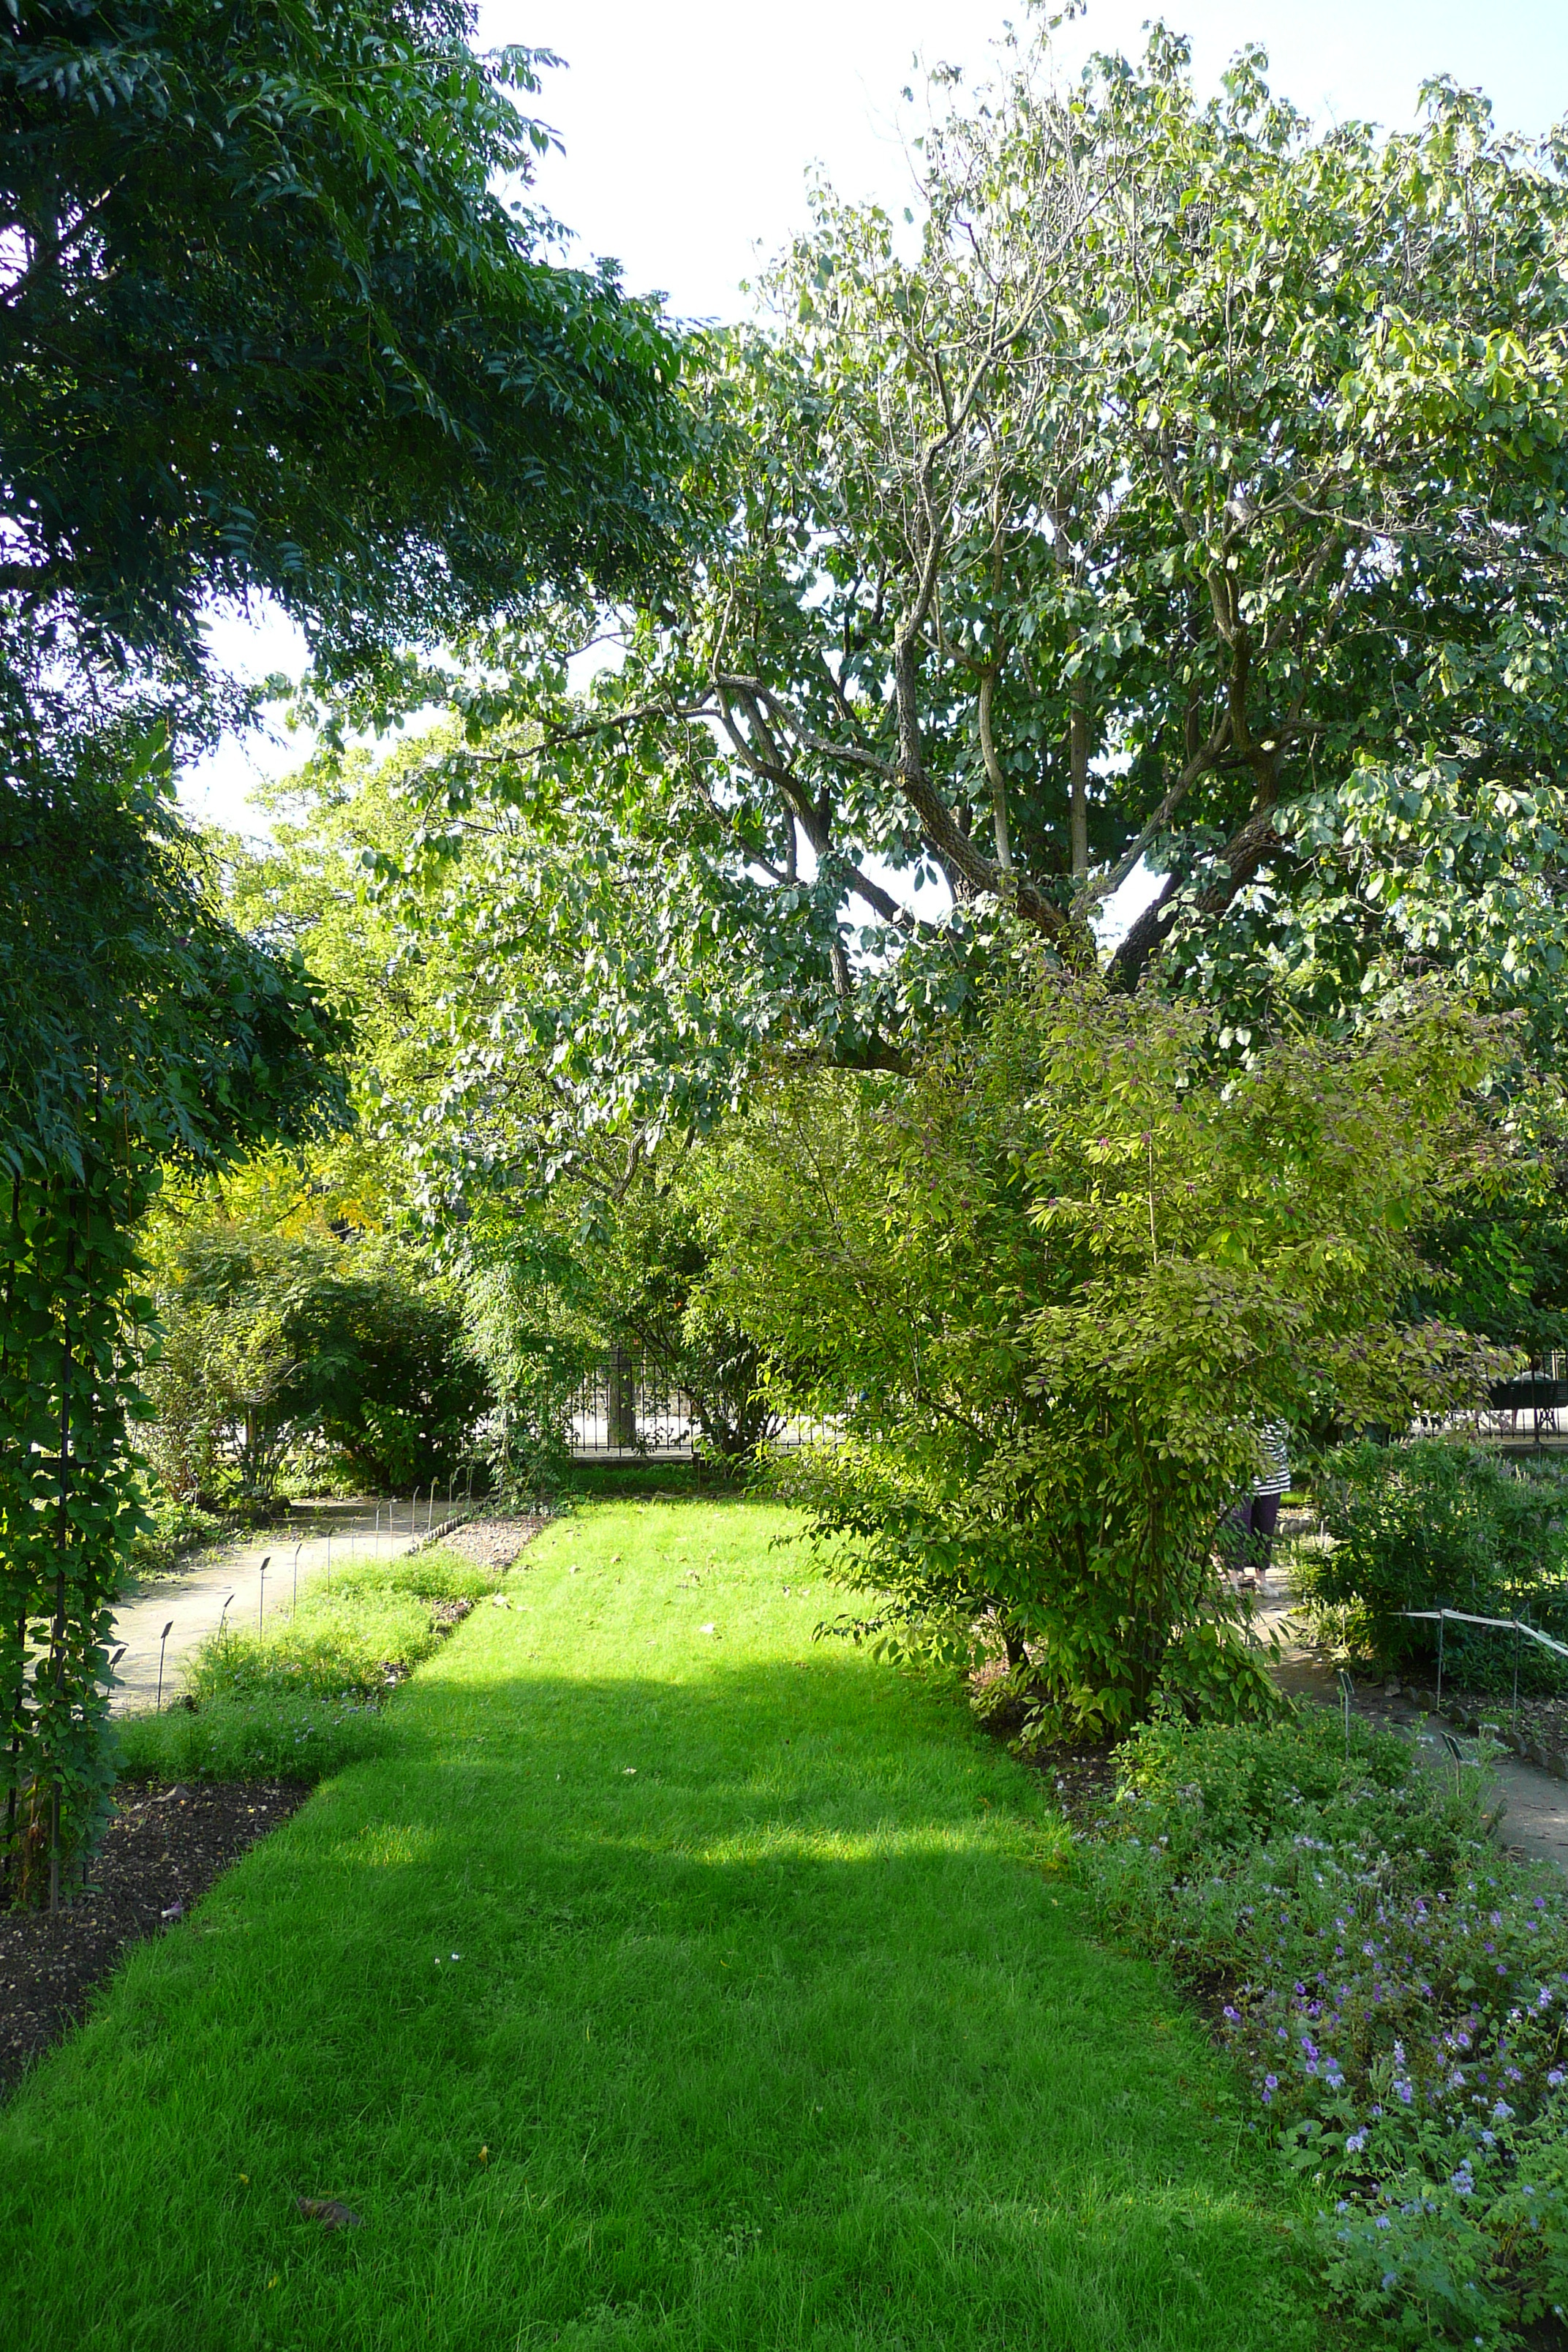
[1249, 1539]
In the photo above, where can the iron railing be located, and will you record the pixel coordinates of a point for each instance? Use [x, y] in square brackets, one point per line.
[634, 1407]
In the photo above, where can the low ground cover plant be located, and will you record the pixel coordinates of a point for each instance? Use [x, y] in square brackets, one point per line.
[243, 1739]
[1395, 1986]
[1436, 1522]
[303, 1697]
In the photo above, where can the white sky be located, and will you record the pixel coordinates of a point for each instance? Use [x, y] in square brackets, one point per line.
[689, 129]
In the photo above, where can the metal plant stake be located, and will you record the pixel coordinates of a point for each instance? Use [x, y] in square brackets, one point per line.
[163, 1638]
[1347, 1689]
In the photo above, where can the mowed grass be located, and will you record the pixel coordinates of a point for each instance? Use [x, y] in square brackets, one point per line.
[657, 1986]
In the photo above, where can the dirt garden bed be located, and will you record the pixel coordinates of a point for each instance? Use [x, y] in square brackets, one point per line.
[164, 1848]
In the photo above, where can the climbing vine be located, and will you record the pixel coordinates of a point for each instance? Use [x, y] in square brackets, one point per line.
[138, 1028]
[69, 1499]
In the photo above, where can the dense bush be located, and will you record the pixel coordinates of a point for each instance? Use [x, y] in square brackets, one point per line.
[1053, 1286]
[1396, 1988]
[279, 1343]
[1436, 1522]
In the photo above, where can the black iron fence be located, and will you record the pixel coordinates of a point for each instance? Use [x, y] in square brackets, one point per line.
[631, 1406]
[635, 1406]
[1530, 1410]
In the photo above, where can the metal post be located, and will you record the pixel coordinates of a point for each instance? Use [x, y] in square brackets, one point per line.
[1516, 1675]
[222, 1613]
[328, 1559]
[261, 1592]
[163, 1638]
[295, 1602]
[1441, 1621]
[1347, 1687]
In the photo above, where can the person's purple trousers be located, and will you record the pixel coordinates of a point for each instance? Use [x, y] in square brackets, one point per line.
[1254, 1523]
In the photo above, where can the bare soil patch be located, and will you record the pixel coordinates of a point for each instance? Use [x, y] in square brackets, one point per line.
[164, 1848]
[1084, 1780]
[491, 1543]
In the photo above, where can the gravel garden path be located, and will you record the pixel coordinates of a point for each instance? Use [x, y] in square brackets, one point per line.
[318, 1537]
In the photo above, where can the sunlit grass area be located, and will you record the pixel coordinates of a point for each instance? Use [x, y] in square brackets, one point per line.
[667, 1980]
[305, 1695]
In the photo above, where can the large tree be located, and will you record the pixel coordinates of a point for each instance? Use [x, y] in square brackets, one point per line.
[1185, 484]
[273, 314]
[268, 319]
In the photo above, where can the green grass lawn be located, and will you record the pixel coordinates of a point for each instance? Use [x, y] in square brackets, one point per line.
[755, 1969]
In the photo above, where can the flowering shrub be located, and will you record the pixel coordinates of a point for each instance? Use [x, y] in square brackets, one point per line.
[1395, 1986]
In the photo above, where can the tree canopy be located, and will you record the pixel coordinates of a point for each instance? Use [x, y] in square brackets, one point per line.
[1186, 485]
[269, 318]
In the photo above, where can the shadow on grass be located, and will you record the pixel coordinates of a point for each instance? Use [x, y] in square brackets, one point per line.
[738, 2010]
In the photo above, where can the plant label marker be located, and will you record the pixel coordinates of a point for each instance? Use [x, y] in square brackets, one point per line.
[1347, 1689]
[261, 1595]
[163, 1638]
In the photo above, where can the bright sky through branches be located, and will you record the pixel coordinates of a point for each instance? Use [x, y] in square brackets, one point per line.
[690, 130]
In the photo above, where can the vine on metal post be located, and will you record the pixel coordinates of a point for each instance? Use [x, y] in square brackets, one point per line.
[68, 1499]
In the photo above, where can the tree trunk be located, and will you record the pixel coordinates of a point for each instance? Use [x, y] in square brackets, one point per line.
[621, 1408]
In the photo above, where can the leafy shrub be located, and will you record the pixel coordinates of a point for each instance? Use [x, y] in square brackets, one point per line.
[277, 1342]
[1396, 1988]
[1439, 1522]
[1052, 1287]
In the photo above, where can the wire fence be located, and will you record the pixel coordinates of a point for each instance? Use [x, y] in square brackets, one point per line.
[1443, 1618]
